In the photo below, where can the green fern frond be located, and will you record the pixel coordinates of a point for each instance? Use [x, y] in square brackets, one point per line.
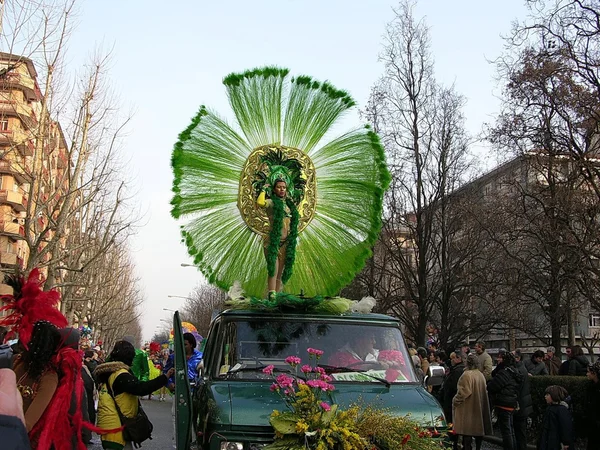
[211, 174]
[312, 108]
[255, 97]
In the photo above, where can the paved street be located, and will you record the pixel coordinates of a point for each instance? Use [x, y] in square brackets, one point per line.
[160, 416]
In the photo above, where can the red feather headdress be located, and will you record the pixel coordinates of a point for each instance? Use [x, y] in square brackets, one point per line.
[154, 347]
[29, 303]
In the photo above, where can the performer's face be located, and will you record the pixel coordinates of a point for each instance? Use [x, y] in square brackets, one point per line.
[280, 189]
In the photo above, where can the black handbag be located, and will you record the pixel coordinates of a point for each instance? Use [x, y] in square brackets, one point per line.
[137, 429]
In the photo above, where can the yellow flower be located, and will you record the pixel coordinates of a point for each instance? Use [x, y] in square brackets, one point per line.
[301, 427]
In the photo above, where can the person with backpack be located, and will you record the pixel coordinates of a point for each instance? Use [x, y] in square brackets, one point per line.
[504, 389]
[119, 396]
[557, 425]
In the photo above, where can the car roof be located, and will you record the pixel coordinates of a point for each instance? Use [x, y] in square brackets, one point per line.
[276, 314]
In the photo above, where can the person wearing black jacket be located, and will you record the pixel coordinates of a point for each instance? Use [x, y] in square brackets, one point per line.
[119, 392]
[578, 363]
[557, 426]
[504, 388]
[592, 414]
[450, 387]
[525, 404]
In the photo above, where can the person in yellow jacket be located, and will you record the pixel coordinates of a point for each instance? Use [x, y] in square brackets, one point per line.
[115, 377]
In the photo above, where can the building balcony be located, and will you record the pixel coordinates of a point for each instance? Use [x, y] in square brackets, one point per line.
[7, 108]
[15, 199]
[12, 229]
[17, 109]
[15, 170]
[8, 138]
[5, 289]
[9, 259]
[13, 80]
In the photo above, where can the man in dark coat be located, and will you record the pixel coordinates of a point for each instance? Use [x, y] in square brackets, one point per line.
[450, 387]
[525, 405]
[564, 367]
[504, 389]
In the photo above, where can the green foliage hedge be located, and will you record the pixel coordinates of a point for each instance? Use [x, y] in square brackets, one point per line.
[575, 386]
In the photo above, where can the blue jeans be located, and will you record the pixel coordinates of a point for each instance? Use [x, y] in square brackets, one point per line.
[505, 422]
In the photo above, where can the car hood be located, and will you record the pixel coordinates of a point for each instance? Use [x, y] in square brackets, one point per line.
[251, 403]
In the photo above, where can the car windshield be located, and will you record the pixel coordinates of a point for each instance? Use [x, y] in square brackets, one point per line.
[367, 353]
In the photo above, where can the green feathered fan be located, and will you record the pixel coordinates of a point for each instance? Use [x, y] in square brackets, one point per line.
[339, 193]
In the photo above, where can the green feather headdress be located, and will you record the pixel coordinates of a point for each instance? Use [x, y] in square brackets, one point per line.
[351, 176]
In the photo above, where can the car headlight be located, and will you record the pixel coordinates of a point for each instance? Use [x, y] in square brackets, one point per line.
[225, 445]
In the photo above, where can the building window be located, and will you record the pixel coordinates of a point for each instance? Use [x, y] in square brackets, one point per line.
[4, 125]
[594, 320]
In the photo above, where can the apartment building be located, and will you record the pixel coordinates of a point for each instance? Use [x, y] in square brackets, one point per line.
[524, 179]
[33, 160]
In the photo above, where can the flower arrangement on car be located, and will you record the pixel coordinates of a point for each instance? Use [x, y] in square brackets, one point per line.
[313, 422]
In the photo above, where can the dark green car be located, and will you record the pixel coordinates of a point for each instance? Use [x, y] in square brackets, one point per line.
[233, 401]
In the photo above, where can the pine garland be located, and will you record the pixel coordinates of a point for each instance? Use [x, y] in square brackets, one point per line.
[290, 255]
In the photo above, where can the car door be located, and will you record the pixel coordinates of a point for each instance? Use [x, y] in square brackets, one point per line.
[183, 394]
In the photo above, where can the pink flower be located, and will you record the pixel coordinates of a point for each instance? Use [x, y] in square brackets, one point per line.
[391, 356]
[320, 370]
[274, 387]
[325, 406]
[391, 375]
[318, 384]
[293, 360]
[325, 377]
[306, 368]
[284, 381]
[314, 351]
[269, 369]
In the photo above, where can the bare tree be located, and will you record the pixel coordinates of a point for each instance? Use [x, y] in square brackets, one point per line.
[200, 306]
[422, 127]
[77, 215]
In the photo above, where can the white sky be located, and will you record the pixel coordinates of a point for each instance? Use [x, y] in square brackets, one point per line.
[170, 57]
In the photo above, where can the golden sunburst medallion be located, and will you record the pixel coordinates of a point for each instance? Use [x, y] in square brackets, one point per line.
[256, 218]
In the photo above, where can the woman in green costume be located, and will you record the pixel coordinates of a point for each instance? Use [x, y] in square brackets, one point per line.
[274, 283]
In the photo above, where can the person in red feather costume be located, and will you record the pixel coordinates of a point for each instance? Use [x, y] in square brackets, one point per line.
[60, 426]
[28, 305]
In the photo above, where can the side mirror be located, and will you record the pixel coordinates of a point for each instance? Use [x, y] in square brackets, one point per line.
[435, 376]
